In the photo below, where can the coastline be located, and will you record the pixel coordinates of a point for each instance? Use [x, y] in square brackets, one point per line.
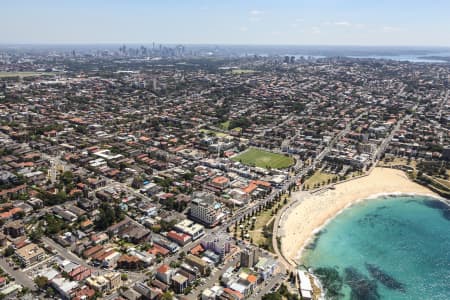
[309, 216]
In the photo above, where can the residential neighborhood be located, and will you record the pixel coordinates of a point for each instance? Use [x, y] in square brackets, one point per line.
[160, 173]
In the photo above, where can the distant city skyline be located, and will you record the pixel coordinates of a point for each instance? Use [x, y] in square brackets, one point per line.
[284, 22]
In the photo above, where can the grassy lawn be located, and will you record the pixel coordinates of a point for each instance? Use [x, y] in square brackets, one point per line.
[398, 161]
[318, 178]
[225, 125]
[257, 233]
[218, 134]
[23, 74]
[264, 159]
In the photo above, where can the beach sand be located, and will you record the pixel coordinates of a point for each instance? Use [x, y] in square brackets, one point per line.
[302, 221]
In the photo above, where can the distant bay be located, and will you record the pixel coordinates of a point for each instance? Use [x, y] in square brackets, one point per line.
[395, 247]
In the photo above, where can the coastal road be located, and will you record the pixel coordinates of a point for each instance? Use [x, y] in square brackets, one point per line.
[289, 265]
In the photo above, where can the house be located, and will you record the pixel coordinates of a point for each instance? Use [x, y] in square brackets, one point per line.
[164, 274]
[35, 202]
[229, 293]
[83, 293]
[3, 281]
[212, 293]
[179, 238]
[171, 246]
[10, 214]
[14, 229]
[92, 250]
[128, 229]
[10, 290]
[157, 249]
[109, 281]
[144, 257]
[64, 287]
[147, 292]
[15, 191]
[129, 262]
[80, 273]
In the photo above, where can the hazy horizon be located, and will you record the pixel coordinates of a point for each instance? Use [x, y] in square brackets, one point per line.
[383, 23]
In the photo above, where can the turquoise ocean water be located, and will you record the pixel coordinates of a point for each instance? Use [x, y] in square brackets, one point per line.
[395, 247]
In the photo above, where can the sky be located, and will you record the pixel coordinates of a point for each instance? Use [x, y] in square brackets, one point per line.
[260, 22]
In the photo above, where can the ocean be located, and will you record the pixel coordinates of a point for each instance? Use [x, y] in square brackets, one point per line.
[392, 247]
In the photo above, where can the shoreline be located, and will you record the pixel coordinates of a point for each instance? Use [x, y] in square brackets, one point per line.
[350, 205]
[314, 212]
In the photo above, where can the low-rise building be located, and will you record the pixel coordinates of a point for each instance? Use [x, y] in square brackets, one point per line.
[109, 281]
[179, 283]
[64, 287]
[30, 254]
[188, 227]
[197, 262]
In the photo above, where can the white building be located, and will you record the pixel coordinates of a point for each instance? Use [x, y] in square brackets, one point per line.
[305, 285]
[188, 227]
[205, 210]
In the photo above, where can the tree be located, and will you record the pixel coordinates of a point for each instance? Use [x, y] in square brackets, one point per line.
[54, 224]
[167, 296]
[124, 277]
[36, 234]
[41, 281]
[9, 251]
[272, 296]
[106, 218]
[67, 177]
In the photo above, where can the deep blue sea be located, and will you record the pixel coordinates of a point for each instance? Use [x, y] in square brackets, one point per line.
[395, 247]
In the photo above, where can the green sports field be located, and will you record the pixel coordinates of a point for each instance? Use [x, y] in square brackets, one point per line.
[264, 159]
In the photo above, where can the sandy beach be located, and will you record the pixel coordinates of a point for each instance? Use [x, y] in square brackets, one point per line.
[301, 221]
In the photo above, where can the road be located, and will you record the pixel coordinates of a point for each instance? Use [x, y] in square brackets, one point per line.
[388, 139]
[18, 275]
[213, 279]
[66, 254]
[289, 265]
[267, 286]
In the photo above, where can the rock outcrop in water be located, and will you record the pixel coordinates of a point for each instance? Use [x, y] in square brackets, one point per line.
[439, 205]
[362, 287]
[331, 281]
[384, 278]
[313, 244]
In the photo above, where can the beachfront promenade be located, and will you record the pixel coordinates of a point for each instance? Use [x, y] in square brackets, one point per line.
[297, 223]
